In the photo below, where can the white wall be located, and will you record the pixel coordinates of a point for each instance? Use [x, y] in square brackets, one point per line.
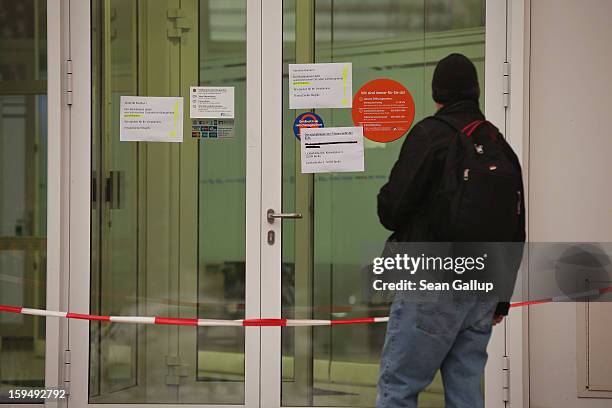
[570, 166]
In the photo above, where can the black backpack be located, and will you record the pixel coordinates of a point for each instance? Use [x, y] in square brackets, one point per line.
[480, 196]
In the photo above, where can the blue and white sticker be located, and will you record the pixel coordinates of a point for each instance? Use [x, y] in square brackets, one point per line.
[306, 120]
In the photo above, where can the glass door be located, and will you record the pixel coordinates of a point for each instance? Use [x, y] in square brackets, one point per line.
[319, 267]
[168, 221]
[181, 229]
[23, 191]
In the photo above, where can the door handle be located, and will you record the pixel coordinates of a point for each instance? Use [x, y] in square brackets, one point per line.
[113, 189]
[272, 215]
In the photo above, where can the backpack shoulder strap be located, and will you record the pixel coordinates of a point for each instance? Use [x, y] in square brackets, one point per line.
[468, 129]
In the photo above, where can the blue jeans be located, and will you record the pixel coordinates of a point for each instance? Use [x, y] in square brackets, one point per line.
[424, 336]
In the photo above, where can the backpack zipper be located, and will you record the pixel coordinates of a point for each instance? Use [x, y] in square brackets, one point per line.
[466, 174]
[518, 204]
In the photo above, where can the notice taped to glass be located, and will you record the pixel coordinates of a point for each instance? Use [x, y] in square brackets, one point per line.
[384, 108]
[151, 119]
[212, 128]
[320, 85]
[327, 150]
[211, 102]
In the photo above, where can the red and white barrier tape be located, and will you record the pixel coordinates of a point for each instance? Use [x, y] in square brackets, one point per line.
[191, 322]
[565, 298]
[176, 321]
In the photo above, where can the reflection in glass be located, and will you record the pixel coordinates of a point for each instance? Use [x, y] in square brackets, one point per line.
[159, 246]
[114, 278]
[397, 39]
[222, 204]
[23, 191]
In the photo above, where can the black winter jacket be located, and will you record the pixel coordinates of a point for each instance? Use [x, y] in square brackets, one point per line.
[404, 200]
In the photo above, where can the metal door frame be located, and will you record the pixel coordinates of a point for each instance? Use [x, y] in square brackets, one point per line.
[517, 131]
[58, 113]
[77, 181]
[272, 110]
[69, 197]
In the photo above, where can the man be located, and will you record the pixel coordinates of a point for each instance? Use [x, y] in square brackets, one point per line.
[447, 335]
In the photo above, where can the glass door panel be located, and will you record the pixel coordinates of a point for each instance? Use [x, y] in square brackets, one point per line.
[132, 272]
[23, 192]
[168, 219]
[114, 279]
[401, 40]
[221, 181]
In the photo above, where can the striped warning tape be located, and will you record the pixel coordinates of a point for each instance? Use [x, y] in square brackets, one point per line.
[177, 321]
[191, 322]
[565, 298]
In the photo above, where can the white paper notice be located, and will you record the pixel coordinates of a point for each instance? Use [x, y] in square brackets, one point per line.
[320, 85]
[211, 102]
[151, 119]
[326, 150]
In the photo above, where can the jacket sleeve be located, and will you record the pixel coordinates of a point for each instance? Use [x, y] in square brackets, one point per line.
[400, 197]
[502, 309]
[516, 256]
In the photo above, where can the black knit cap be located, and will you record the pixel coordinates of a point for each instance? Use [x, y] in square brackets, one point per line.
[455, 79]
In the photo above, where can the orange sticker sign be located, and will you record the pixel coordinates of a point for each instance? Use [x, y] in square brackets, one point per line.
[384, 108]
